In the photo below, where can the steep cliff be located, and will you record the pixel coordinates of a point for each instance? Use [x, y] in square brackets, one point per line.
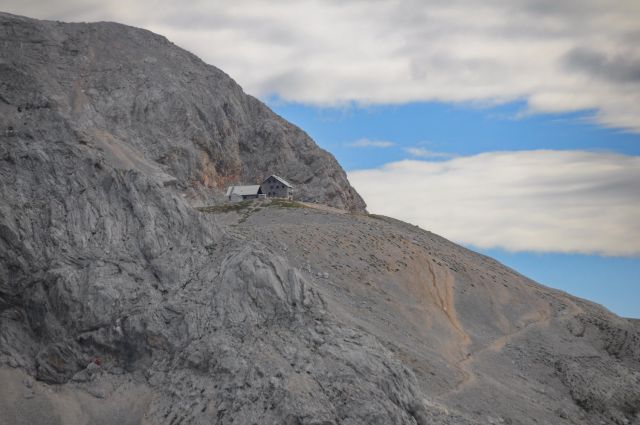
[144, 104]
[122, 303]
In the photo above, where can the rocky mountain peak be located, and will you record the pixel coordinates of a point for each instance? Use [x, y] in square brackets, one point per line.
[147, 105]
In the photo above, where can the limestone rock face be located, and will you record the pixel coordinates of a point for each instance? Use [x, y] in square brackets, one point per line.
[121, 303]
[256, 288]
[141, 103]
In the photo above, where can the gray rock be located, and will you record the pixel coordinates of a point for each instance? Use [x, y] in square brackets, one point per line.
[57, 362]
[134, 101]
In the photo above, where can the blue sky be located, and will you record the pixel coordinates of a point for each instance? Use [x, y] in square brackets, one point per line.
[613, 281]
[510, 126]
[448, 128]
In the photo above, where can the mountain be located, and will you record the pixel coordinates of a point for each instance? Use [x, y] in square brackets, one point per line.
[144, 104]
[125, 300]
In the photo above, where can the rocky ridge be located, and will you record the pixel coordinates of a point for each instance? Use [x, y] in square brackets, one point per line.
[121, 303]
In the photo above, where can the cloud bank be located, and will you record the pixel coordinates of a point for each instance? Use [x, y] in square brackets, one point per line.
[547, 201]
[558, 56]
[426, 153]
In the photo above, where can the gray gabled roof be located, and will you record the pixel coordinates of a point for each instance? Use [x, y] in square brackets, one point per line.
[280, 179]
[243, 190]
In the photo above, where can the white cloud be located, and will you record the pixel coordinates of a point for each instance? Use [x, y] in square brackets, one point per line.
[366, 143]
[550, 201]
[427, 154]
[557, 55]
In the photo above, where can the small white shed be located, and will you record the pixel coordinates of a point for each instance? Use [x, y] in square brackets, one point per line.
[240, 193]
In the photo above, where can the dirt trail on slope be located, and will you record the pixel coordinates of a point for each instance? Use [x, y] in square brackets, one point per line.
[540, 318]
[465, 366]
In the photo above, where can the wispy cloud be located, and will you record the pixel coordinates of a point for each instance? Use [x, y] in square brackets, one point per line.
[558, 56]
[548, 201]
[427, 154]
[366, 143]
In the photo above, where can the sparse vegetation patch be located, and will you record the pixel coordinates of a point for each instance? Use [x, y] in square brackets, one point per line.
[285, 203]
[226, 208]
